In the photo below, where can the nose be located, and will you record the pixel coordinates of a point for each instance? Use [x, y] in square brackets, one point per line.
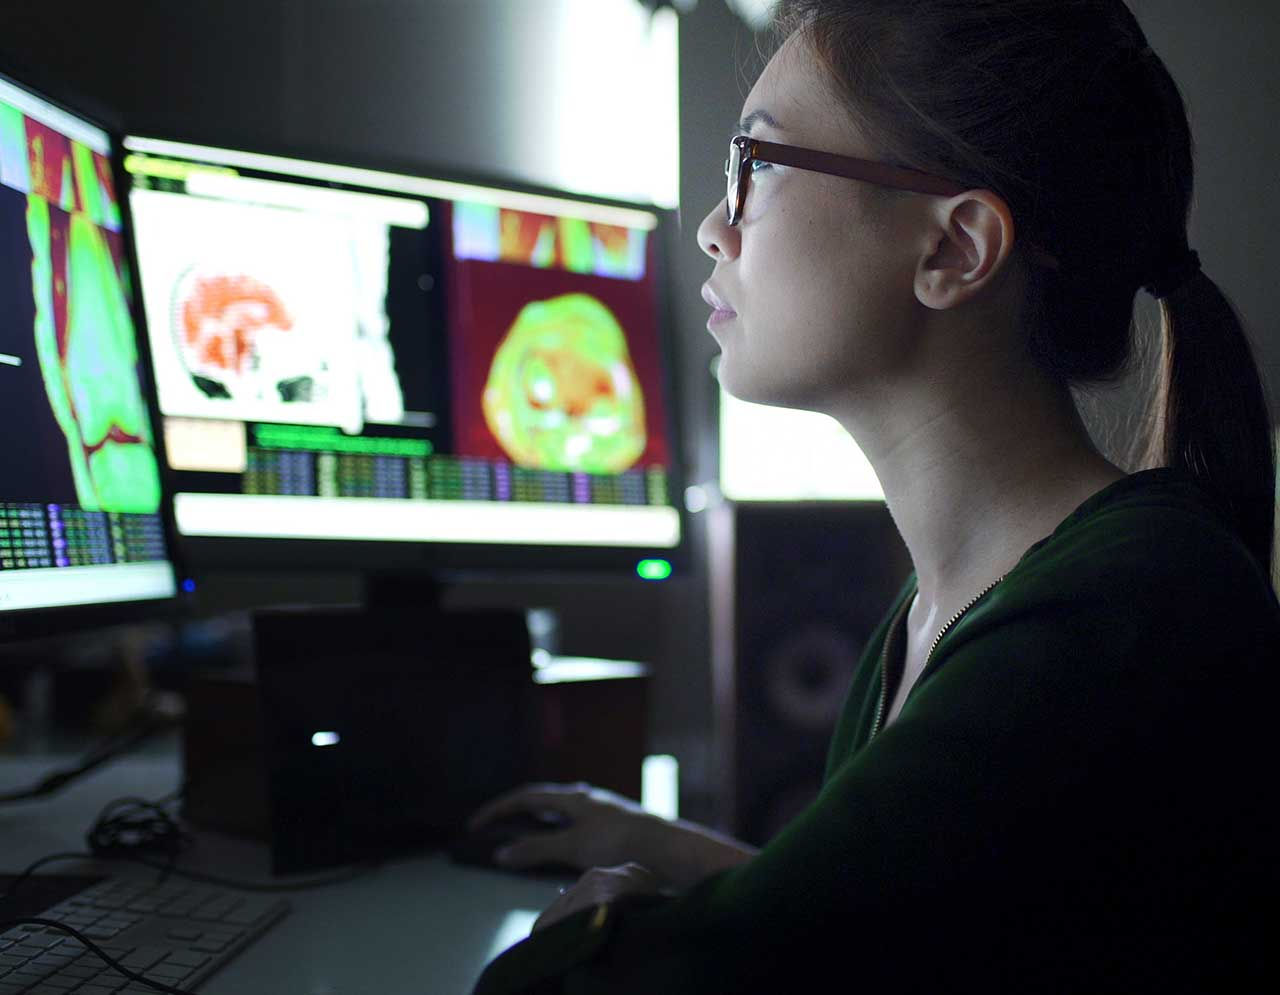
[715, 237]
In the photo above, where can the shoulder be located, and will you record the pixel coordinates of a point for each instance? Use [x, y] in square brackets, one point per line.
[1150, 586]
[1148, 553]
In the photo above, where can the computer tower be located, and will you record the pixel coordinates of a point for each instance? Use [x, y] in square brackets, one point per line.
[359, 734]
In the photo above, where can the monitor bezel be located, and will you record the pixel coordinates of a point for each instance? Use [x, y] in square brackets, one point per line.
[55, 620]
[510, 561]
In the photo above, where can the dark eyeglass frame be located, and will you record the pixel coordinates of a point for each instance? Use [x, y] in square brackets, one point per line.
[743, 150]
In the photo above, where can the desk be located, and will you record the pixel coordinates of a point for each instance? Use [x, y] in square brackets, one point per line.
[414, 925]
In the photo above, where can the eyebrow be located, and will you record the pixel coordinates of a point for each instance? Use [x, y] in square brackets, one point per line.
[744, 126]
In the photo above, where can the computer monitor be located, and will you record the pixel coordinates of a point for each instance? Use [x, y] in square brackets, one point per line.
[83, 537]
[381, 369]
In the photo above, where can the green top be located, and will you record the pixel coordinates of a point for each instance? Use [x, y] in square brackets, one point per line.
[1078, 795]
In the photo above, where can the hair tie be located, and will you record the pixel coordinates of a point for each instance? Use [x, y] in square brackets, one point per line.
[1172, 273]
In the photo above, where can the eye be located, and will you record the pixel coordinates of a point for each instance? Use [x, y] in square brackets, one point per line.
[757, 165]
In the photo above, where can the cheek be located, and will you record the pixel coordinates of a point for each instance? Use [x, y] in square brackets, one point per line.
[817, 320]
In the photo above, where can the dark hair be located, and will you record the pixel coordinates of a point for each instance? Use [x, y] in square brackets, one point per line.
[1062, 109]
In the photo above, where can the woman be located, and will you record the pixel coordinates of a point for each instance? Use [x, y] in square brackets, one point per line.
[1053, 769]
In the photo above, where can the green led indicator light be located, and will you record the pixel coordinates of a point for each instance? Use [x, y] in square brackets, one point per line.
[653, 569]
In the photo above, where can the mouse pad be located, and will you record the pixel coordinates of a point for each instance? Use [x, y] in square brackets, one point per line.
[383, 734]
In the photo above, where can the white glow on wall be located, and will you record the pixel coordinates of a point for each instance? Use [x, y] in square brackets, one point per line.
[614, 97]
[660, 786]
[778, 454]
[755, 12]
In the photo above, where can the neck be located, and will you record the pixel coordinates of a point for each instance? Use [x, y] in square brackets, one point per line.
[974, 473]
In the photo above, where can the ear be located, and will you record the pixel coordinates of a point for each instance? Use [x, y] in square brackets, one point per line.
[970, 239]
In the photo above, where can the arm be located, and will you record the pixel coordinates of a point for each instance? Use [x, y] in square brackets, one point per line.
[682, 853]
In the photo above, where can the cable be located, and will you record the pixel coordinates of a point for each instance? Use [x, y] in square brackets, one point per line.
[43, 860]
[154, 721]
[269, 887]
[159, 986]
[121, 835]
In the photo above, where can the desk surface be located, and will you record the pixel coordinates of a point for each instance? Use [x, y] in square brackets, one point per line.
[415, 925]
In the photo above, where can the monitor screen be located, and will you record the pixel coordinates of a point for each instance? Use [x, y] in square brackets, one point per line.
[344, 354]
[80, 500]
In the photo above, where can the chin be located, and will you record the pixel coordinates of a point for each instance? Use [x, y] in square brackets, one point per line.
[772, 394]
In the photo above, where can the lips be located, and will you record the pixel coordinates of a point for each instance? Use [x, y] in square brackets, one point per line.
[717, 303]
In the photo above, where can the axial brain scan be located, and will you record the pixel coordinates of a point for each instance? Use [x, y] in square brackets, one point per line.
[562, 393]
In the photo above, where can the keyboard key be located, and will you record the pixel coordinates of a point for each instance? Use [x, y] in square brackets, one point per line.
[143, 958]
[168, 972]
[249, 911]
[59, 982]
[207, 945]
[26, 976]
[184, 933]
[186, 958]
[52, 960]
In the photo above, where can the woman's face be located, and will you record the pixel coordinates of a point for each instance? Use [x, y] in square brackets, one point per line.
[820, 269]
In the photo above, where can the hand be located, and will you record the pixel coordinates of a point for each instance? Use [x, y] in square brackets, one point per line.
[600, 886]
[604, 828]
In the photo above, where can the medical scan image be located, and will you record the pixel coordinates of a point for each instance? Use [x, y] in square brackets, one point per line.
[562, 393]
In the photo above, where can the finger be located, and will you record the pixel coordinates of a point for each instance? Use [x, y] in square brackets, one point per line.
[531, 797]
[563, 907]
[541, 848]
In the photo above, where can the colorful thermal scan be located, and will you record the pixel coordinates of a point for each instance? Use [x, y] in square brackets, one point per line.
[221, 323]
[562, 393]
[88, 358]
[493, 234]
[39, 161]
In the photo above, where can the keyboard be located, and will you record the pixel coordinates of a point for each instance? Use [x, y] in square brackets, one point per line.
[175, 933]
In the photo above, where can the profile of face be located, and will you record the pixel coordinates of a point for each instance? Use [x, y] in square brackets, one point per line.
[832, 282]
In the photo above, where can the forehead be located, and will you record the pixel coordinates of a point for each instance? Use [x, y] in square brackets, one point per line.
[793, 87]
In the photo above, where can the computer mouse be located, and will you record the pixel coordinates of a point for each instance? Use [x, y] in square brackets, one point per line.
[477, 847]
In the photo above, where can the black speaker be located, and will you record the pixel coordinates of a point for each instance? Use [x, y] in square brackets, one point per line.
[797, 590]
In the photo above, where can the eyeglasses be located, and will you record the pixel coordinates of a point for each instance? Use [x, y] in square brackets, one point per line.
[743, 150]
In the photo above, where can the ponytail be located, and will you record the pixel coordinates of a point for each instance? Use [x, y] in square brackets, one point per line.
[1209, 414]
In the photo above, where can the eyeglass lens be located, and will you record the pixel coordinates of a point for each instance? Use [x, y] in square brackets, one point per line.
[732, 167]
